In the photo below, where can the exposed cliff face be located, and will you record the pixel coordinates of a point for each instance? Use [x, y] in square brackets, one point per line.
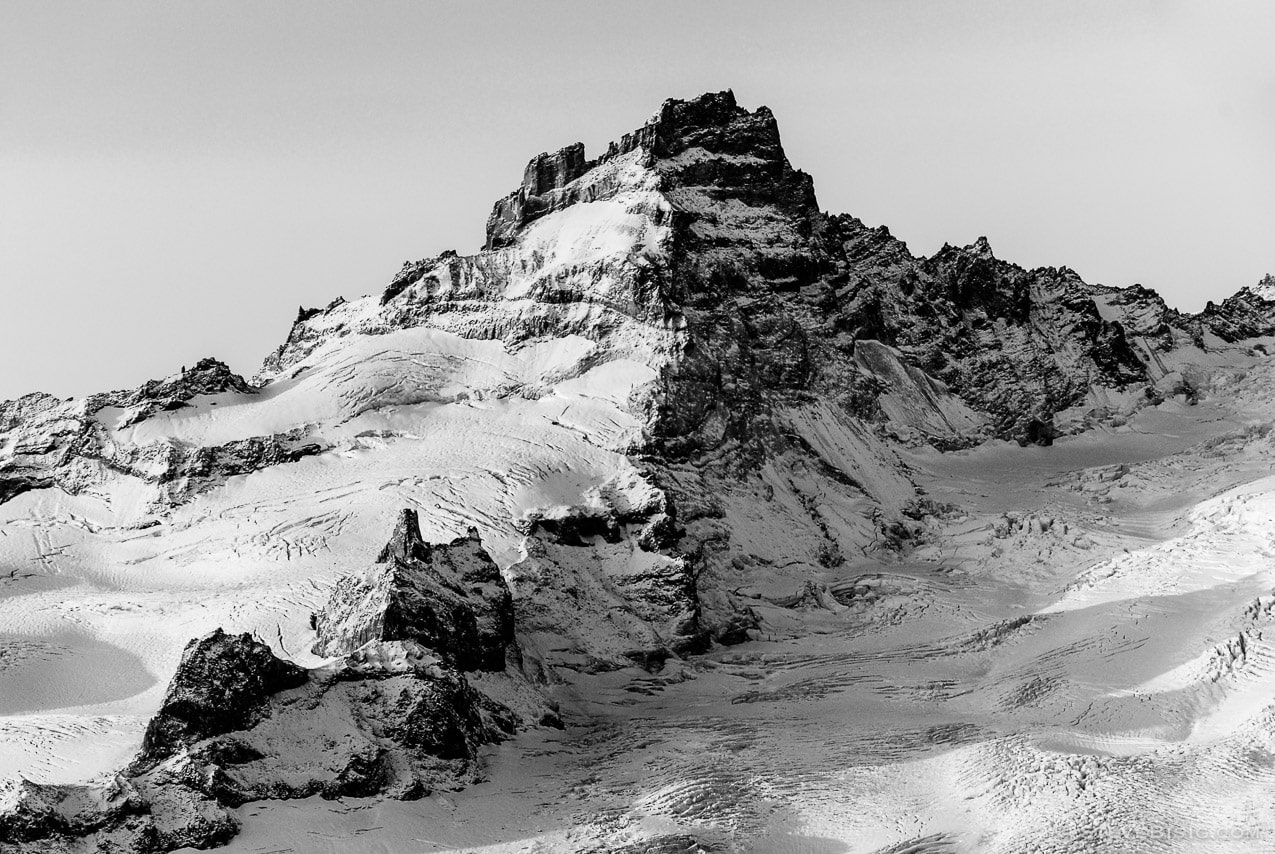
[449, 598]
[223, 684]
[1016, 345]
[1250, 313]
[541, 193]
[774, 295]
[790, 348]
[602, 591]
[692, 240]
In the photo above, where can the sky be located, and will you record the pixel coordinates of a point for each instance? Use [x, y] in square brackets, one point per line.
[176, 178]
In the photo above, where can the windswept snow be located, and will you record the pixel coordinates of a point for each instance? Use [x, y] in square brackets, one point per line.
[1091, 699]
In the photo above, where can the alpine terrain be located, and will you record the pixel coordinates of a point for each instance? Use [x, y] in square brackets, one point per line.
[683, 517]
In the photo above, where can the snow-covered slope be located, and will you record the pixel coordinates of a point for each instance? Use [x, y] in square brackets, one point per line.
[816, 545]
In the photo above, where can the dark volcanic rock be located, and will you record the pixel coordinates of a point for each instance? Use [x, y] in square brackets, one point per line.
[449, 598]
[222, 684]
[576, 529]
[45, 811]
[544, 176]
[1018, 345]
[208, 376]
[392, 718]
[795, 350]
[194, 469]
[440, 717]
[389, 720]
[115, 816]
[1250, 313]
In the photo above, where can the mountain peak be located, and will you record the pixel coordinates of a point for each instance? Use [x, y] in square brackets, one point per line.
[405, 543]
[713, 123]
[1265, 289]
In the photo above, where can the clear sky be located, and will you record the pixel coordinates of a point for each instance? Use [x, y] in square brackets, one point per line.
[177, 177]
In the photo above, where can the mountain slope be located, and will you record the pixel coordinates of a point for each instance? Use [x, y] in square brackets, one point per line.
[681, 409]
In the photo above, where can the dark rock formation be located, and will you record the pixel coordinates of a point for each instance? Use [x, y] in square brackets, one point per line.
[390, 721]
[449, 598]
[1250, 313]
[222, 684]
[544, 176]
[240, 725]
[194, 469]
[775, 299]
[122, 814]
[47, 442]
[45, 811]
[575, 529]
[208, 376]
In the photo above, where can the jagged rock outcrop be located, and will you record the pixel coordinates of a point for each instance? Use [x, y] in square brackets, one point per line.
[222, 684]
[758, 300]
[545, 176]
[1146, 317]
[1249, 313]
[753, 299]
[121, 814]
[240, 725]
[207, 377]
[392, 719]
[604, 584]
[449, 598]
[74, 445]
[393, 715]
[31, 813]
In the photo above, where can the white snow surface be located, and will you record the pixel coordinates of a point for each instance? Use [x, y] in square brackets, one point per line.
[102, 589]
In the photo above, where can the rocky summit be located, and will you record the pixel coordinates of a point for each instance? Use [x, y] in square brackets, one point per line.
[716, 522]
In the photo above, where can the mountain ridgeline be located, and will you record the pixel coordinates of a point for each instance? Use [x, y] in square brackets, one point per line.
[669, 391]
[775, 300]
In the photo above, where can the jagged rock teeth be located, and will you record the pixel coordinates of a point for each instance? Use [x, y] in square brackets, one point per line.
[405, 543]
[450, 598]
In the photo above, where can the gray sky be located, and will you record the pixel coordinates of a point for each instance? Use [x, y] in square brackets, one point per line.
[177, 177]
